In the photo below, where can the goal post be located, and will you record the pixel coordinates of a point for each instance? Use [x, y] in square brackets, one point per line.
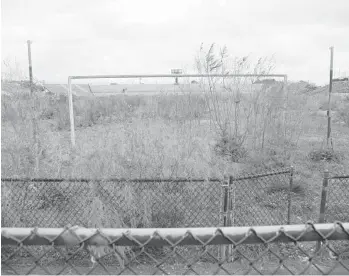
[173, 75]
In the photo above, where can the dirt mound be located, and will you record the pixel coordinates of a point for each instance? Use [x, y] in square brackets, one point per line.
[303, 87]
[337, 87]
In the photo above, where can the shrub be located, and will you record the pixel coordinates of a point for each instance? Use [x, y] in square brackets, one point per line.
[270, 158]
[310, 87]
[324, 155]
[230, 147]
[343, 112]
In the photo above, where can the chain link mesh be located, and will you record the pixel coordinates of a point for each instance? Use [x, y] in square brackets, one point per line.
[337, 203]
[145, 202]
[286, 250]
[148, 203]
[138, 203]
[256, 199]
[260, 199]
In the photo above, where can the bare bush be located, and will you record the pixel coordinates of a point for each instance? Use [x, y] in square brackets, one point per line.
[244, 108]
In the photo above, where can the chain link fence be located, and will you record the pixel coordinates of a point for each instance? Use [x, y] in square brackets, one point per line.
[285, 249]
[256, 199]
[143, 203]
[118, 203]
[337, 201]
[261, 199]
[334, 205]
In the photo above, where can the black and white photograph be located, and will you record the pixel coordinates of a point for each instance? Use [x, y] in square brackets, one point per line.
[172, 137]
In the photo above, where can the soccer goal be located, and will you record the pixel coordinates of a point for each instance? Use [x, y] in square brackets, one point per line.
[176, 83]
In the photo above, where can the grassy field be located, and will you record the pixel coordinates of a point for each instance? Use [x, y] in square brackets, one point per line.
[168, 136]
[175, 136]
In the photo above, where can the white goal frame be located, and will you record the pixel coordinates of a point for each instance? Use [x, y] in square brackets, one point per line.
[70, 94]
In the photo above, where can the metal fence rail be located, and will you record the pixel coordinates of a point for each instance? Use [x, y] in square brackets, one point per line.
[141, 203]
[287, 249]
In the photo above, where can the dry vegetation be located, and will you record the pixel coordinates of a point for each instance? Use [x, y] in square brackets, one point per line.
[241, 130]
[206, 135]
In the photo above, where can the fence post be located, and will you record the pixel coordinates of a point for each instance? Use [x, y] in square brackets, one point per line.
[323, 201]
[225, 189]
[324, 196]
[231, 211]
[34, 109]
[289, 207]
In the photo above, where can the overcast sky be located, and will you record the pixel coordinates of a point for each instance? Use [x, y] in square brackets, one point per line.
[78, 37]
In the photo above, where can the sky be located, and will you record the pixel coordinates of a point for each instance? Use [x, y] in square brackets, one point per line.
[94, 37]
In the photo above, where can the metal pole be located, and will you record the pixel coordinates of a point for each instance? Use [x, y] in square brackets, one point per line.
[71, 113]
[324, 196]
[285, 105]
[323, 201]
[30, 67]
[231, 212]
[329, 101]
[184, 236]
[173, 76]
[225, 188]
[290, 196]
[34, 123]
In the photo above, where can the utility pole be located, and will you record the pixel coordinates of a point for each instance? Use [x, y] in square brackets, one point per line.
[34, 123]
[329, 141]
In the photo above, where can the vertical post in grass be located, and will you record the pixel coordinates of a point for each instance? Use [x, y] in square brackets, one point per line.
[225, 189]
[71, 113]
[285, 104]
[34, 123]
[329, 101]
[231, 210]
[326, 178]
[30, 67]
[289, 207]
[324, 196]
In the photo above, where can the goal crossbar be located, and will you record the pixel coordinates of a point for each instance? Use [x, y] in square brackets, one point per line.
[174, 76]
[70, 92]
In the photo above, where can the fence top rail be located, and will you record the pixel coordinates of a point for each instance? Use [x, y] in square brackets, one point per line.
[174, 236]
[252, 176]
[173, 76]
[138, 180]
[339, 176]
[146, 180]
